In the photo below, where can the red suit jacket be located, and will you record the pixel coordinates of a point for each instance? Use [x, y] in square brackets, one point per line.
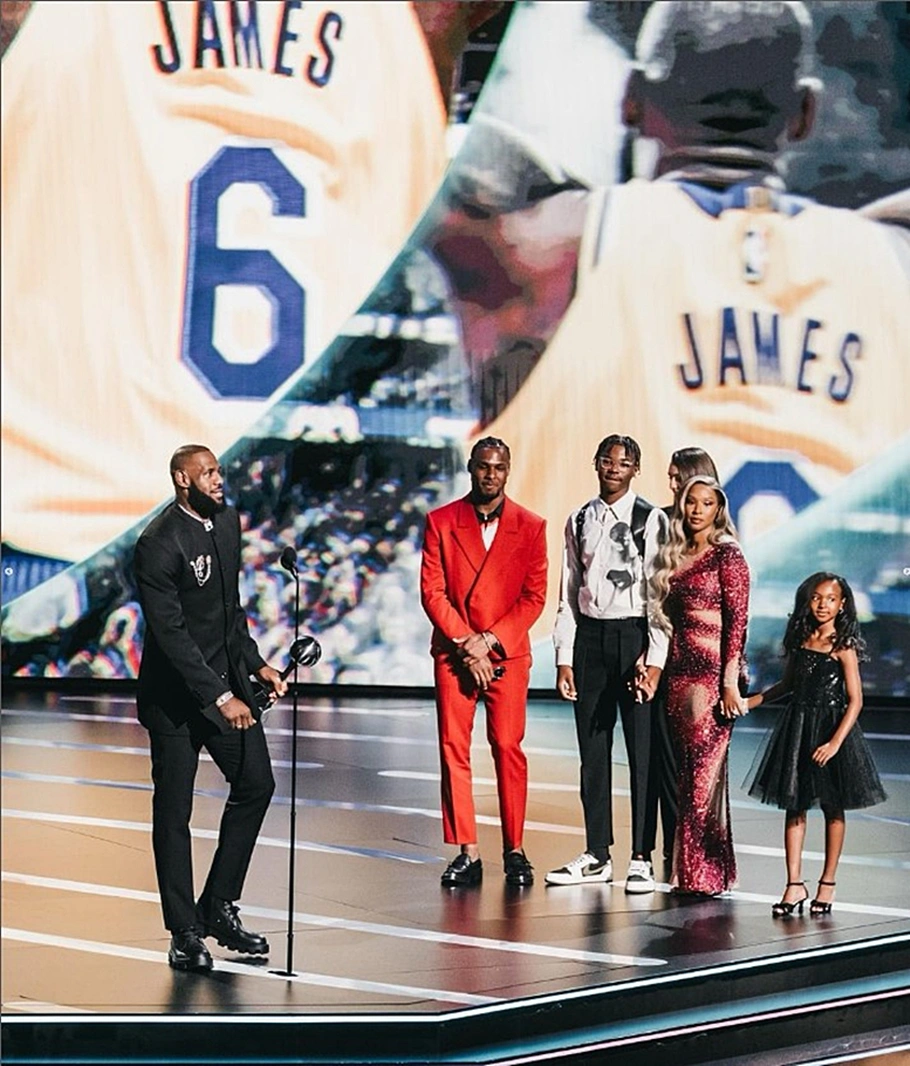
[465, 588]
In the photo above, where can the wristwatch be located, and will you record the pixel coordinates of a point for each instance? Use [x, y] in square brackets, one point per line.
[223, 698]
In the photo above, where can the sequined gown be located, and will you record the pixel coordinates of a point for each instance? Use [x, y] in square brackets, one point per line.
[708, 604]
[784, 775]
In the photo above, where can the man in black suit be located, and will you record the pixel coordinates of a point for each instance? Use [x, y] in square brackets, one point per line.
[195, 691]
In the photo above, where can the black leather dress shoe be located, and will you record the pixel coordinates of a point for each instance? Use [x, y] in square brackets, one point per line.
[518, 870]
[462, 871]
[219, 918]
[187, 952]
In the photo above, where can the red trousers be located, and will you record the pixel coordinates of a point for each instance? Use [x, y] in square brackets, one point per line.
[506, 706]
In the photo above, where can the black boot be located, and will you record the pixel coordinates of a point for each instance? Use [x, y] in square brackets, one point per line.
[219, 918]
[187, 951]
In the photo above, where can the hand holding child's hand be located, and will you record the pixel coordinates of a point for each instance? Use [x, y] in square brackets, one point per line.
[644, 684]
[731, 705]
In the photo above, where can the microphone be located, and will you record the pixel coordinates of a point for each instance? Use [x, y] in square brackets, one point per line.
[289, 560]
[305, 651]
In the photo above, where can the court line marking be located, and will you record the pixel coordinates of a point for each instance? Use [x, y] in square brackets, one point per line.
[761, 731]
[285, 702]
[482, 819]
[307, 734]
[403, 775]
[550, 786]
[366, 712]
[432, 936]
[311, 734]
[275, 842]
[212, 834]
[121, 951]
[22, 712]
[407, 775]
[36, 1006]
[851, 908]
[115, 749]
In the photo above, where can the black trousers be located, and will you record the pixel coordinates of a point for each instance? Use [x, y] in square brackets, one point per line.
[243, 758]
[604, 660]
[663, 791]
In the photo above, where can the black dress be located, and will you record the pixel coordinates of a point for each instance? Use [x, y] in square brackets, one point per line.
[783, 773]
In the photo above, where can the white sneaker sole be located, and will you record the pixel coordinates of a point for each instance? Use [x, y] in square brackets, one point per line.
[566, 879]
[639, 888]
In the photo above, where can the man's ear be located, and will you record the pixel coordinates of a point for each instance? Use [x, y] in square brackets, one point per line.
[181, 479]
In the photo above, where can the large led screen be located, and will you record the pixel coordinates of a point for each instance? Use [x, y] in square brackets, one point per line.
[340, 320]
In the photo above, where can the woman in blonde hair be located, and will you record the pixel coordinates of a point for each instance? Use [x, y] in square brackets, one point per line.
[684, 463]
[702, 599]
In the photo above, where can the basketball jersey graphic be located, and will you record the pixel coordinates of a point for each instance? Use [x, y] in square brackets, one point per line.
[195, 198]
[766, 329]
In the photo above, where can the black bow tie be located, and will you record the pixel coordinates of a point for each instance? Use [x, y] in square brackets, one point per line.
[485, 519]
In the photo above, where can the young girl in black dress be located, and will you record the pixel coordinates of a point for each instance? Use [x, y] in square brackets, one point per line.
[816, 755]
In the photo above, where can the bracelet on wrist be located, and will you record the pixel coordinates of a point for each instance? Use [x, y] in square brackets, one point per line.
[223, 698]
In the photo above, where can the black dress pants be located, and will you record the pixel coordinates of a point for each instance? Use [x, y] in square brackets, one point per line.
[604, 660]
[243, 758]
[662, 790]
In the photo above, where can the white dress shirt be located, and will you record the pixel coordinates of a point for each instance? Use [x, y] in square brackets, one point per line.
[488, 532]
[607, 578]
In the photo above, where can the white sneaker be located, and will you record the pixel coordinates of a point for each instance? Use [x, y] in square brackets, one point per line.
[640, 877]
[581, 870]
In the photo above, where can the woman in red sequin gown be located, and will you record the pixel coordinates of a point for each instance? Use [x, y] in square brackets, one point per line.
[702, 592]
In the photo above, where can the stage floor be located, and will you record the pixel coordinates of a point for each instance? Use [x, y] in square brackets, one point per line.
[374, 930]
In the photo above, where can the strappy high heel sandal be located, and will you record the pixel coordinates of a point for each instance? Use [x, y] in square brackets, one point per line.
[783, 909]
[818, 906]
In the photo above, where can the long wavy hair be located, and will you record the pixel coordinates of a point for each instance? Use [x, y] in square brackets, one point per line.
[801, 623]
[670, 555]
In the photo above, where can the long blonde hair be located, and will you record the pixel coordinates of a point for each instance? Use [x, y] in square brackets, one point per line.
[671, 552]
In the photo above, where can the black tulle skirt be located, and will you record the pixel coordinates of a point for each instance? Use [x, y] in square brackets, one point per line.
[783, 773]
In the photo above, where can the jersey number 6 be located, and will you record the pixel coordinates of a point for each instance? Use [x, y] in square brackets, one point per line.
[210, 266]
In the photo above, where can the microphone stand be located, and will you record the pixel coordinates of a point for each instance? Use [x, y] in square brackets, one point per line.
[305, 651]
[288, 971]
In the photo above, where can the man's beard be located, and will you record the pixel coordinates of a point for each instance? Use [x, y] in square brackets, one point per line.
[203, 505]
[481, 494]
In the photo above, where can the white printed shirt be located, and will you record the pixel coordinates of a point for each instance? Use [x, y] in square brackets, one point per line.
[607, 578]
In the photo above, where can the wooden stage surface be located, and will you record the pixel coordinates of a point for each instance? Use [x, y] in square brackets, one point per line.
[374, 932]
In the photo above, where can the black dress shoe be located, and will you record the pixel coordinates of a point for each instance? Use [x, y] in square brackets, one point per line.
[219, 918]
[187, 952]
[462, 871]
[518, 870]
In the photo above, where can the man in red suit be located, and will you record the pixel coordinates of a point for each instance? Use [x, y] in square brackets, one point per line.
[483, 584]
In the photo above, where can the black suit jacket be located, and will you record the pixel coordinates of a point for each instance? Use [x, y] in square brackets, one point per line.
[197, 642]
